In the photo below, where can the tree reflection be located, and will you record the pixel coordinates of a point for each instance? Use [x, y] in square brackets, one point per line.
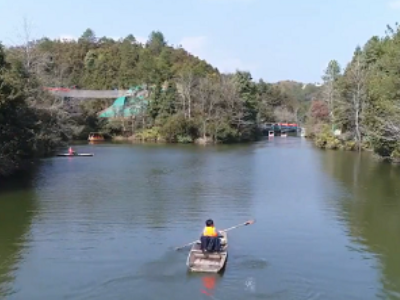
[186, 183]
[17, 206]
[372, 210]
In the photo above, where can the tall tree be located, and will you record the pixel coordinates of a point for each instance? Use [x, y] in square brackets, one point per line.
[330, 78]
[355, 93]
[247, 91]
[88, 36]
[156, 42]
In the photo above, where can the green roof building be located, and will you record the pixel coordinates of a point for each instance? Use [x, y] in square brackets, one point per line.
[129, 105]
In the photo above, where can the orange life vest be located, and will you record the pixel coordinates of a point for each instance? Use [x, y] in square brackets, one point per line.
[209, 231]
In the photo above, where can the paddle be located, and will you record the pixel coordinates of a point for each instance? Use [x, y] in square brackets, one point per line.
[225, 230]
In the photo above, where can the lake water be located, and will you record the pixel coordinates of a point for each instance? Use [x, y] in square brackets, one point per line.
[105, 227]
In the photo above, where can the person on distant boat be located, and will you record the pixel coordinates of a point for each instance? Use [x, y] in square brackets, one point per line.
[70, 151]
[211, 238]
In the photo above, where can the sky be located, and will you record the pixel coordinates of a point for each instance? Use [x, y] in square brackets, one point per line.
[274, 40]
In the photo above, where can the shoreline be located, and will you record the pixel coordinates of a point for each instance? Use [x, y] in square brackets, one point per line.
[198, 141]
[348, 146]
[30, 164]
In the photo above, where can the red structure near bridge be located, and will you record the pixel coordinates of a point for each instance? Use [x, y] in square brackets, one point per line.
[287, 124]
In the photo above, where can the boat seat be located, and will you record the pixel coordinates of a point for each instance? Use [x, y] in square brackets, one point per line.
[206, 262]
[206, 255]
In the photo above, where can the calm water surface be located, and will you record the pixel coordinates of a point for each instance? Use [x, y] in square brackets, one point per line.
[328, 224]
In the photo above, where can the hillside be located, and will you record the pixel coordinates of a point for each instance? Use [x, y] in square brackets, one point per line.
[103, 63]
[301, 91]
[190, 101]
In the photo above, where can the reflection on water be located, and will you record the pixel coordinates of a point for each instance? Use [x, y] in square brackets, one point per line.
[16, 212]
[105, 227]
[372, 211]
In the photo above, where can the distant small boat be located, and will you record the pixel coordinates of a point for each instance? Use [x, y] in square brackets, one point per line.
[76, 154]
[95, 136]
[303, 132]
[199, 261]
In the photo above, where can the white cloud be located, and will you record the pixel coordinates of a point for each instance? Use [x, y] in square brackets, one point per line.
[394, 4]
[141, 39]
[230, 1]
[200, 46]
[230, 65]
[195, 44]
[67, 38]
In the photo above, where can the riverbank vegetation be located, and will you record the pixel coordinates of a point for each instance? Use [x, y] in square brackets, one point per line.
[359, 106]
[32, 124]
[189, 100]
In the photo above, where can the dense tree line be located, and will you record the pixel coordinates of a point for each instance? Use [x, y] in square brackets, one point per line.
[189, 100]
[359, 106]
[32, 124]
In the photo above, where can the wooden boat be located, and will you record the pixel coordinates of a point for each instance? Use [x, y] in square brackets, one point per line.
[76, 154]
[95, 137]
[199, 261]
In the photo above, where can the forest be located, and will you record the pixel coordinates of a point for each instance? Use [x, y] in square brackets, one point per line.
[358, 106]
[189, 100]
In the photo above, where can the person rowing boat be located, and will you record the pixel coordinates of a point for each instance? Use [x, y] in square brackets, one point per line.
[210, 254]
[71, 152]
[210, 239]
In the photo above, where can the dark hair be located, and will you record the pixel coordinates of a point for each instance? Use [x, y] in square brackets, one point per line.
[209, 222]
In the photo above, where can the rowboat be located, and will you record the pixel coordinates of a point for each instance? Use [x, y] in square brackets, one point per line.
[95, 137]
[204, 262]
[76, 154]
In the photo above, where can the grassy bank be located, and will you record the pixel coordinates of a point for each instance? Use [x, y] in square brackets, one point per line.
[154, 135]
[324, 138]
[358, 108]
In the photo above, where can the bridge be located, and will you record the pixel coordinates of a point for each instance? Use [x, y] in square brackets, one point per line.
[127, 103]
[286, 127]
[90, 94]
[269, 128]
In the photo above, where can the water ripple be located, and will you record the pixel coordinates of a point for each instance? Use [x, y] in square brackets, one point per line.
[106, 227]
